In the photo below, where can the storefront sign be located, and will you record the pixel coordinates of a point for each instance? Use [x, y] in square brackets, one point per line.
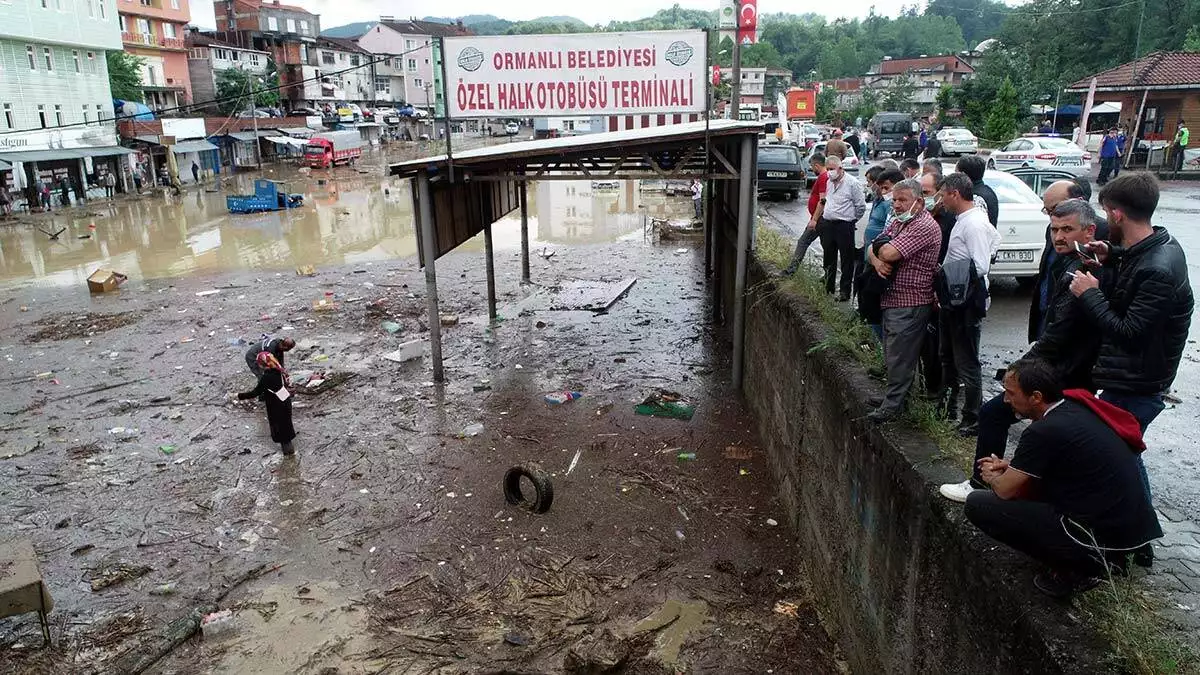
[727, 15]
[59, 139]
[576, 75]
[184, 128]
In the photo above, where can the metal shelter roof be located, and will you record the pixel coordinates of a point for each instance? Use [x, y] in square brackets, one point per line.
[193, 146]
[54, 154]
[603, 155]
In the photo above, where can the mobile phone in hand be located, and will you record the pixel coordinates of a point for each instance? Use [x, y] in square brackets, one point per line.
[1086, 255]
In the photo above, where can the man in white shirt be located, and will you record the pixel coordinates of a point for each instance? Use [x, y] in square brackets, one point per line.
[697, 195]
[844, 204]
[972, 238]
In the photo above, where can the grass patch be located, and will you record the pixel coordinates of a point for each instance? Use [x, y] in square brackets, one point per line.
[1130, 618]
[1122, 610]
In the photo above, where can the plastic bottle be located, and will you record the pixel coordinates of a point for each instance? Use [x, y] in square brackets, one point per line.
[560, 397]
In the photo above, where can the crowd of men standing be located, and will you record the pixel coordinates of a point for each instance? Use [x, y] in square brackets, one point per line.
[1109, 319]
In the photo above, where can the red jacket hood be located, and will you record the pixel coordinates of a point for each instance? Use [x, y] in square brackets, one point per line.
[1119, 420]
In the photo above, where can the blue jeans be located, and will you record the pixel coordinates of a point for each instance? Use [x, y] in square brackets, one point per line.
[1145, 409]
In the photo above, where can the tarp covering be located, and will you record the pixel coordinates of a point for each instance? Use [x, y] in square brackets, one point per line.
[287, 140]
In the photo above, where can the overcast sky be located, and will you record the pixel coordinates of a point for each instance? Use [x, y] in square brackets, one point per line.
[339, 12]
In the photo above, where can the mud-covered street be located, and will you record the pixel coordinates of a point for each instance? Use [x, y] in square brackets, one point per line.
[386, 544]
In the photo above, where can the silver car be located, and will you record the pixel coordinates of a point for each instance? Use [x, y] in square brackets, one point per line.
[851, 164]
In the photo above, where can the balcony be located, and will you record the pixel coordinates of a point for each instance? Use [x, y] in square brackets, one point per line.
[172, 43]
[139, 39]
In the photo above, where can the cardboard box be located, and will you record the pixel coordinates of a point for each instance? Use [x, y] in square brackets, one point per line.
[104, 281]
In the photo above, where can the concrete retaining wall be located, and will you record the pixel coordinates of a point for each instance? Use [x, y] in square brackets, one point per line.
[903, 582]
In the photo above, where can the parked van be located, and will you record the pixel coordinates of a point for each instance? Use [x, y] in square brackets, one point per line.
[889, 130]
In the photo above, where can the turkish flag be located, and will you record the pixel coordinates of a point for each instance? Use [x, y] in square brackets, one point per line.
[747, 36]
[716, 80]
[748, 17]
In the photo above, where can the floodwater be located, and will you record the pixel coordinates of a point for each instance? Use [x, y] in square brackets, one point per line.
[349, 216]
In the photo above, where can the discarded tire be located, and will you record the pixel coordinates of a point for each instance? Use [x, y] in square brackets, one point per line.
[543, 495]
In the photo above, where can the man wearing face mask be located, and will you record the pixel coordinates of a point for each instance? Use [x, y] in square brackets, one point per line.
[907, 252]
[844, 204]
[973, 238]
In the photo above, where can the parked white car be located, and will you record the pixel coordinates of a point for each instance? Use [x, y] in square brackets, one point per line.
[1022, 226]
[958, 141]
[1044, 152]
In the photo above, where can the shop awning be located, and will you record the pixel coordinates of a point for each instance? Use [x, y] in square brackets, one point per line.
[288, 140]
[104, 152]
[300, 132]
[4, 166]
[247, 135]
[40, 155]
[200, 145]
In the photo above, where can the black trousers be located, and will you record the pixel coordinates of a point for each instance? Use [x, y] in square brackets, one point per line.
[1107, 166]
[1033, 528]
[958, 341]
[837, 239]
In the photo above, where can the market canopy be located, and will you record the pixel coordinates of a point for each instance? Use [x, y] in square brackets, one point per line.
[288, 140]
[55, 154]
[193, 146]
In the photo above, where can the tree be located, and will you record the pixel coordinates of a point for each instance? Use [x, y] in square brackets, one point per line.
[125, 76]
[1002, 120]
[826, 102]
[899, 94]
[867, 105]
[945, 101]
[235, 84]
[1192, 42]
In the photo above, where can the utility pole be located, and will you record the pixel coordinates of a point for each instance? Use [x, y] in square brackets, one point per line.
[254, 116]
[1137, 48]
[736, 84]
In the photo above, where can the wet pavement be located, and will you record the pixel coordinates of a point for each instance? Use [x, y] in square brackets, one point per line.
[1173, 439]
[387, 542]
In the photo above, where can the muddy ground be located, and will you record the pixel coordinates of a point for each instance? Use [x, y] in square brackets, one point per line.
[386, 544]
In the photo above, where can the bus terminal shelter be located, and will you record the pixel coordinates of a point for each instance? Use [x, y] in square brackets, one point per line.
[457, 197]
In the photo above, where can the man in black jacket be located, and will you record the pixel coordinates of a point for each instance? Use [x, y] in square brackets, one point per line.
[1142, 311]
[1057, 193]
[1065, 339]
[974, 167]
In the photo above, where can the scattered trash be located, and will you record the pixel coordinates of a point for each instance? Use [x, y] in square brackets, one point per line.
[680, 251]
[682, 512]
[104, 281]
[738, 452]
[471, 430]
[666, 404]
[787, 609]
[324, 304]
[42, 376]
[125, 433]
[543, 488]
[679, 535]
[516, 640]
[1172, 399]
[772, 522]
[560, 397]
[306, 271]
[237, 342]
[204, 294]
[167, 449]
[743, 472]
[449, 319]
[391, 327]
[484, 385]
[574, 461]
[217, 623]
[165, 589]
[407, 351]
[117, 573]
[686, 456]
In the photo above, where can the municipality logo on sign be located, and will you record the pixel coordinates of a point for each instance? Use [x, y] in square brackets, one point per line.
[679, 53]
[470, 59]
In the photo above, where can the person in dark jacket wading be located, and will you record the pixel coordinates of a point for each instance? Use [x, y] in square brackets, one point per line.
[273, 389]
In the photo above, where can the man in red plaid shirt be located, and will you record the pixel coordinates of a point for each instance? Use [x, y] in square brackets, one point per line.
[907, 253]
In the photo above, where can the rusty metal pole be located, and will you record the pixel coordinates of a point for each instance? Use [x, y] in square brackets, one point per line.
[745, 225]
[491, 271]
[524, 231]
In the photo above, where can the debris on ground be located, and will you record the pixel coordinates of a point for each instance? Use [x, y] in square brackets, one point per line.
[543, 489]
[471, 430]
[449, 319]
[738, 452]
[73, 326]
[306, 271]
[391, 327]
[407, 351]
[560, 397]
[663, 403]
[787, 609]
[116, 573]
[205, 294]
[105, 281]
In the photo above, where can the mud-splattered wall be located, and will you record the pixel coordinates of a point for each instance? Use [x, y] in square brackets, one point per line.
[904, 583]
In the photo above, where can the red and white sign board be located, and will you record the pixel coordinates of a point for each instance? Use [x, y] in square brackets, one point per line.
[576, 74]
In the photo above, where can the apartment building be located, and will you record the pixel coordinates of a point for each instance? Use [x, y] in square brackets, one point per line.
[287, 32]
[208, 56]
[56, 114]
[411, 72]
[338, 70]
[154, 30]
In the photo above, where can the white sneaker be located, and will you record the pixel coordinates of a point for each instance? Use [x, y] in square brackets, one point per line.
[957, 492]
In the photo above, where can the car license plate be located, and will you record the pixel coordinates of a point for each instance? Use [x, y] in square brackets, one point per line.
[777, 174]
[1063, 161]
[1016, 256]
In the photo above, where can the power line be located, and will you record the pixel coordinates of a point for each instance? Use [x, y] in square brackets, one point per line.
[239, 97]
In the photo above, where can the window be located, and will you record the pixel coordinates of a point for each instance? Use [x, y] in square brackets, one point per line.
[303, 27]
[327, 58]
[342, 57]
[123, 23]
[418, 83]
[99, 113]
[291, 25]
[58, 118]
[408, 44]
[412, 65]
[101, 5]
[174, 4]
[42, 116]
[91, 67]
[29, 54]
[85, 115]
[168, 29]
[45, 4]
[8, 117]
[272, 23]
[49, 56]
[75, 58]
[253, 59]
[383, 85]
[152, 76]
[304, 53]
[143, 26]
[354, 59]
